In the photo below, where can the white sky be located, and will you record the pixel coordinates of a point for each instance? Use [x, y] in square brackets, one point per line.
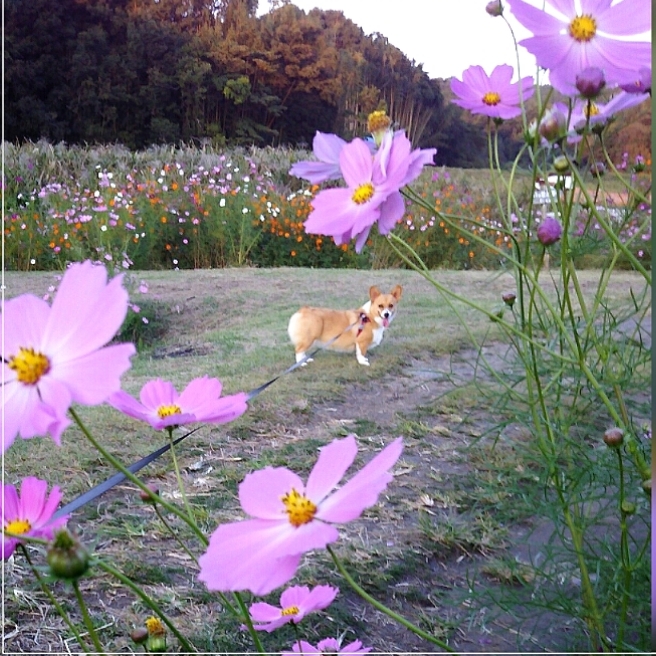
[446, 36]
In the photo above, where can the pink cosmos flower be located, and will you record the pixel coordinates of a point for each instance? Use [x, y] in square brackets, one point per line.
[571, 40]
[296, 602]
[326, 148]
[494, 95]
[289, 518]
[29, 513]
[54, 356]
[348, 213]
[161, 406]
[641, 83]
[328, 646]
[600, 113]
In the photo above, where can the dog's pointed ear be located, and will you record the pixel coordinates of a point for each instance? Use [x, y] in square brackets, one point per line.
[374, 293]
[397, 291]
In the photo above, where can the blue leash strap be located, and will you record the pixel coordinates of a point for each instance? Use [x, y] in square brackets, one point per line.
[103, 487]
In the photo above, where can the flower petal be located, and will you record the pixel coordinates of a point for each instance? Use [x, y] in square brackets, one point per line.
[261, 492]
[237, 558]
[363, 489]
[86, 311]
[93, 377]
[334, 459]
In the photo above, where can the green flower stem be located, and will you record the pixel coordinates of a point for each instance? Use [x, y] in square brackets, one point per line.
[249, 623]
[625, 554]
[175, 535]
[147, 600]
[88, 622]
[178, 477]
[609, 231]
[425, 273]
[384, 609]
[117, 464]
[521, 268]
[593, 616]
[53, 600]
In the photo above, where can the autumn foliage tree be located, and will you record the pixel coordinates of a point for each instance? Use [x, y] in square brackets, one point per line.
[145, 71]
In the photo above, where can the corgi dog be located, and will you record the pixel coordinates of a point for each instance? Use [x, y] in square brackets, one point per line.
[344, 330]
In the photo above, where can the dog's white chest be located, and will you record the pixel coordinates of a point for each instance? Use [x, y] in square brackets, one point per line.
[377, 336]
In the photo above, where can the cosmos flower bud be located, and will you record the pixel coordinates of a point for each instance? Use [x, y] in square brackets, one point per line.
[590, 82]
[509, 298]
[67, 558]
[639, 164]
[628, 507]
[139, 635]
[598, 169]
[145, 497]
[553, 125]
[646, 486]
[549, 231]
[494, 8]
[378, 123]
[156, 640]
[561, 164]
[614, 437]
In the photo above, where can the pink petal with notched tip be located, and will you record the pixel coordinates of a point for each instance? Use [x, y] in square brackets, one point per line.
[199, 394]
[237, 559]
[86, 312]
[363, 489]
[334, 459]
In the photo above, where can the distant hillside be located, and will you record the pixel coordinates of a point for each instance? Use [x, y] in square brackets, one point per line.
[171, 71]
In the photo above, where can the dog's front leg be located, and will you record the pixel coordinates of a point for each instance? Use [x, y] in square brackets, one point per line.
[360, 356]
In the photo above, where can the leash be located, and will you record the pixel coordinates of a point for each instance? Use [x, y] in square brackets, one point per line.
[107, 485]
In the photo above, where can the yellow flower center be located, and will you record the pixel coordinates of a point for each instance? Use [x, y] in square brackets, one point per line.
[29, 365]
[18, 526]
[292, 610]
[363, 193]
[491, 98]
[378, 120]
[155, 626]
[591, 109]
[583, 28]
[299, 508]
[168, 410]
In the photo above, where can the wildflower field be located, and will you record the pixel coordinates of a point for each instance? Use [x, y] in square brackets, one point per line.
[192, 208]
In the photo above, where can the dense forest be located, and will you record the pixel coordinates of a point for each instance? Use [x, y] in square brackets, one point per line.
[140, 72]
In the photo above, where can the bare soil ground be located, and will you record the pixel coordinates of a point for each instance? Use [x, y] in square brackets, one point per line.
[442, 542]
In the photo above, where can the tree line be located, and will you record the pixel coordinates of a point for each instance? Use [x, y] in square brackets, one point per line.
[140, 72]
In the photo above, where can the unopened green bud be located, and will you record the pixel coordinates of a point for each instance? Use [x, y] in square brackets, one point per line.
[646, 486]
[66, 556]
[628, 507]
[561, 164]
